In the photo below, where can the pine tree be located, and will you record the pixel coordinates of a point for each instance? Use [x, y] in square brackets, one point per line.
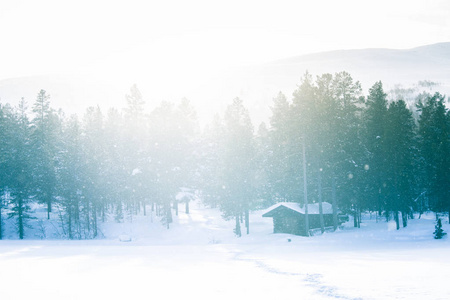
[326, 120]
[71, 177]
[43, 143]
[20, 169]
[262, 184]
[7, 125]
[188, 142]
[135, 145]
[166, 156]
[115, 163]
[375, 116]
[94, 185]
[400, 140]
[282, 176]
[238, 167]
[304, 137]
[434, 137]
[211, 156]
[349, 165]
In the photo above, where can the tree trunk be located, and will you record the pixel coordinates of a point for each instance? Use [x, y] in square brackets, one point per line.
[187, 206]
[175, 206]
[238, 226]
[380, 212]
[404, 219]
[334, 200]
[77, 220]
[94, 215]
[49, 207]
[20, 216]
[247, 221]
[103, 213]
[1, 221]
[305, 190]
[145, 210]
[397, 220]
[88, 218]
[359, 217]
[168, 214]
[322, 223]
[69, 223]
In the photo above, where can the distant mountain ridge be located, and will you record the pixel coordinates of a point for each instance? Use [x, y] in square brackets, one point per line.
[257, 85]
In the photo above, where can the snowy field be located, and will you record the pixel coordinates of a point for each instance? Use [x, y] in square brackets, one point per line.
[199, 258]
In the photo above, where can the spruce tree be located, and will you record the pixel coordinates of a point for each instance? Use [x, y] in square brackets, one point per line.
[211, 156]
[166, 156]
[71, 177]
[350, 158]
[44, 149]
[94, 185]
[400, 170]
[434, 144]
[282, 175]
[375, 116]
[20, 168]
[238, 164]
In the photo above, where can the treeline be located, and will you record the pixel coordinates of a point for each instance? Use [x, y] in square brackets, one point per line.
[327, 143]
[119, 164]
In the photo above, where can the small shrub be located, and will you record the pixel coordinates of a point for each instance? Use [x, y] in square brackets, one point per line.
[438, 232]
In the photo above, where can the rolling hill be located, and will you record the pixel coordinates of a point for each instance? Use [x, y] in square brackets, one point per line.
[255, 84]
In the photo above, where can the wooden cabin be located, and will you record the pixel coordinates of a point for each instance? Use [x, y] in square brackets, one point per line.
[289, 217]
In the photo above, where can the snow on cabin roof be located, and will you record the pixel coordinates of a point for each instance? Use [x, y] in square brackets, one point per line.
[183, 194]
[313, 208]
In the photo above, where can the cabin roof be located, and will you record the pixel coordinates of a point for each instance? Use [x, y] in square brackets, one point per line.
[313, 208]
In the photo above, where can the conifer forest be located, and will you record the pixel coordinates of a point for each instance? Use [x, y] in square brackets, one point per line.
[363, 152]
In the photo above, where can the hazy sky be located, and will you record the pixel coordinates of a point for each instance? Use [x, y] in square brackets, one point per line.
[184, 39]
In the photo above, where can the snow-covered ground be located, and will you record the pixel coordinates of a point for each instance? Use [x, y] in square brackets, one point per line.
[199, 258]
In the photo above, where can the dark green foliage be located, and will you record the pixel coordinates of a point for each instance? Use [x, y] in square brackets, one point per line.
[438, 231]
[280, 164]
[374, 131]
[434, 142]
[44, 134]
[359, 155]
[400, 159]
[238, 163]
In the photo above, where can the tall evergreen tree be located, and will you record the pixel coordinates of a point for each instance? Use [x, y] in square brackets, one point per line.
[115, 160]
[44, 149]
[71, 177]
[350, 167]
[165, 156]
[135, 145]
[238, 172]
[211, 156]
[399, 139]
[94, 184]
[282, 176]
[375, 116]
[303, 136]
[20, 168]
[434, 132]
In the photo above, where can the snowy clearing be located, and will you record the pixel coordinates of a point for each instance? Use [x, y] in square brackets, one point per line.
[199, 258]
